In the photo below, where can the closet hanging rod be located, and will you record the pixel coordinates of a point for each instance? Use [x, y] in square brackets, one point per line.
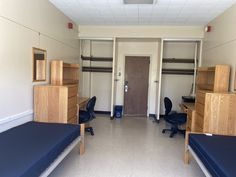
[97, 69]
[105, 59]
[177, 60]
[178, 71]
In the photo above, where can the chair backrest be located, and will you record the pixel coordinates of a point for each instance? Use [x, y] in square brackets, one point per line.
[168, 105]
[90, 106]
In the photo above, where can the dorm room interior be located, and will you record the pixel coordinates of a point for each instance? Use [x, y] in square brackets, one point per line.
[117, 88]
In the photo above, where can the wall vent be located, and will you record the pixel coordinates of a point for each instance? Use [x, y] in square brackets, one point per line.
[139, 1]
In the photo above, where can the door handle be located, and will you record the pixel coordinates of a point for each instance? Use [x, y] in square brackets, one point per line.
[126, 86]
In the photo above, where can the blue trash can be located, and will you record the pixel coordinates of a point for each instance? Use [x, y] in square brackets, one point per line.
[118, 111]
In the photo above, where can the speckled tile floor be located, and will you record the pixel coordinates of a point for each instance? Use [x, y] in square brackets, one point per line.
[128, 147]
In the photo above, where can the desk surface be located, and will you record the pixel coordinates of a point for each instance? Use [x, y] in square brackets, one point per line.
[188, 105]
[82, 100]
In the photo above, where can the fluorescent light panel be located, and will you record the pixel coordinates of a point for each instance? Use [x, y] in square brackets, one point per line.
[138, 1]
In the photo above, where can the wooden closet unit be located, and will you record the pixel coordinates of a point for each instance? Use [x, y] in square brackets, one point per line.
[58, 102]
[214, 106]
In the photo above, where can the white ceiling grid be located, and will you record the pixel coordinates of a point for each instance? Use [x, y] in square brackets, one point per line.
[163, 12]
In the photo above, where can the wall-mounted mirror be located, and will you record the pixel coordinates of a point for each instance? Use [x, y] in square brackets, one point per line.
[39, 64]
[235, 81]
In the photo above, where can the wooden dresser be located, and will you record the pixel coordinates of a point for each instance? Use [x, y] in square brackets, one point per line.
[58, 102]
[214, 105]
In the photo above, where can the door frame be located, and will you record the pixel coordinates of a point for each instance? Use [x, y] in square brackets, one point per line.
[149, 77]
[113, 81]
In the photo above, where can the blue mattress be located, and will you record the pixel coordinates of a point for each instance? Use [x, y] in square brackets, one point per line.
[27, 150]
[217, 153]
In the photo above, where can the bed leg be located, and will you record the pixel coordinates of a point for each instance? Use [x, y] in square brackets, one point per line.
[186, 151]
[81, 145]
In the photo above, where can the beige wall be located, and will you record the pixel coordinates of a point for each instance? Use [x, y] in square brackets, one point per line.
[139, 40]
[99, 84]
[220, 44]
[141, 31]
[138, 47]
[25, 24]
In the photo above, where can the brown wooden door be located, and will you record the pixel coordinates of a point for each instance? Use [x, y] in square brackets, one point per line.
[136, 85]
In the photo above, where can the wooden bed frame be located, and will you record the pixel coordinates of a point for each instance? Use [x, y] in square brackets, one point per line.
[226, 128]
[189, 150]
[187, 154]
[79, 140]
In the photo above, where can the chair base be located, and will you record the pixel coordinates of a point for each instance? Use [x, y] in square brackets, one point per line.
[173, 130]
[90, 130]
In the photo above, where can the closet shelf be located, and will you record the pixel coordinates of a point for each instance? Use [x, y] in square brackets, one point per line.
[178, 71]
[177, 60]
[105, 59]
[97, 69]
[69, 65]
[64, 73]
[70, 81]
[206, 69]
[205, 86]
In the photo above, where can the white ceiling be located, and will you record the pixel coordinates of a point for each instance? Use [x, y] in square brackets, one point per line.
[163, 12]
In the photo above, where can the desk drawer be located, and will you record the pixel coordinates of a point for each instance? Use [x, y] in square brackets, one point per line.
[72, 120]
[72, 91]
[72, 102]
[200, 97]
[200, 108]
[72, 112]
[184, 108]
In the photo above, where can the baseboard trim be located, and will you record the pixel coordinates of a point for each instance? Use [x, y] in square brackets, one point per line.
[15, 120]
[103, 112]
[152, 115]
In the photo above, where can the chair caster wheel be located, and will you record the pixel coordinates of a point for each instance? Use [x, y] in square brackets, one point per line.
[163, 131]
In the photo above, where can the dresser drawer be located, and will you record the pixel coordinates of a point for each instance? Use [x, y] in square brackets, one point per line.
[200, 97]
[198, 129]
[72, 91]
[72, 112]
[72, 102]
[73, 120]
[199, 108]
[199, 122]
[189, 124]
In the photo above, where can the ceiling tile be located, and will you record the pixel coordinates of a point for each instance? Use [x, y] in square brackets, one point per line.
[164, 12]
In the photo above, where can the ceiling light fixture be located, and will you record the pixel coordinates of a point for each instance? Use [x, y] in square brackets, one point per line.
[139, 1]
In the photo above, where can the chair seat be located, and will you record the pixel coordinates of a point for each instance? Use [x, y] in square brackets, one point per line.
[84, 116]
[177, 118]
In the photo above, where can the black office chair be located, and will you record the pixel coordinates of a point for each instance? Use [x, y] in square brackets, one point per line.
[175, 119]
[85, 116]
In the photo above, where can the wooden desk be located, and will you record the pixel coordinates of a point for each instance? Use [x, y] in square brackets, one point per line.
[82, 101]
[189, 109]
